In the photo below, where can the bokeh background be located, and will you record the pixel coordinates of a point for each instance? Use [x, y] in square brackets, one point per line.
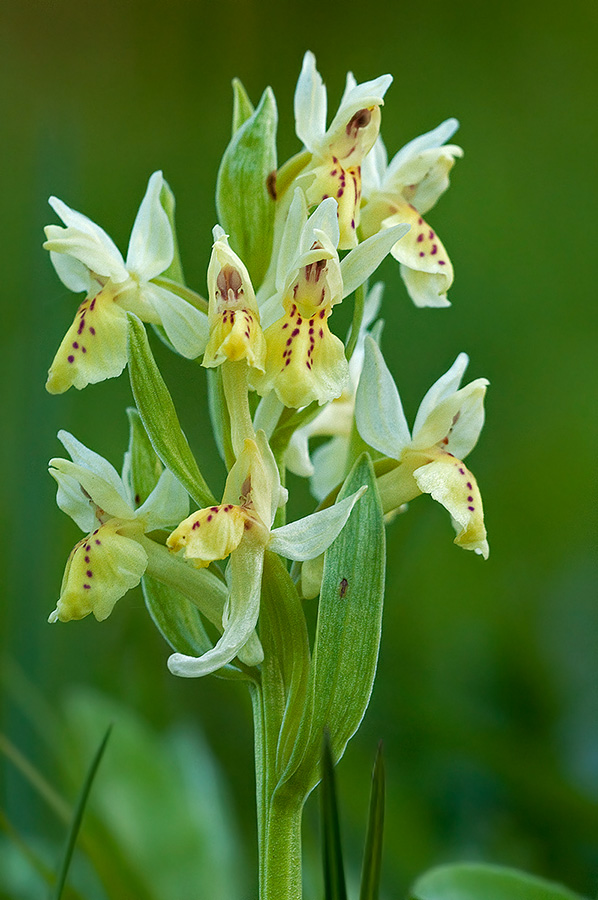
[487, 696]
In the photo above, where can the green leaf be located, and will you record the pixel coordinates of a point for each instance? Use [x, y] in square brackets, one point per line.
[219, 416]
[372, 855]
[242, 106]
[348, 631]
[285, 669]
[78, 816]
[159, 416]
[473, 881]
[332, 851]
[142, 466]
[245, 193]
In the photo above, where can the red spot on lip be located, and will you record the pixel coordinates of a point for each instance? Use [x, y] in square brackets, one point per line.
[75, 345]
[194, 526]
[469, 485]
[322, 313]
[434, 249]
[441, 262]
[421, 253]
[213, 509]
[71, 359]
[210, 517]
[420, 238]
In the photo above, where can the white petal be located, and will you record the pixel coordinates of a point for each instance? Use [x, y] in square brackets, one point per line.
[167, 505]
[291, 237]
[86, 241]
[361, 262]
[428, 289]
[89, 459]
[324, 218]
[297, 454]
[373, 168]
[428, 141]
[73, 273]
[379, 413]
[370, 93]
[151, 246]
[350, 84]
[310, 104]
[330, 465]
[71, 500]
[101, 493]
[246, 579]
[307, 538]
[456, 421]
[447, 384]
[186, 326]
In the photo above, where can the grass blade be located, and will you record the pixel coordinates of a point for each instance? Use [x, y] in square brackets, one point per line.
[78, 816]
[332, 854]
[372, 854]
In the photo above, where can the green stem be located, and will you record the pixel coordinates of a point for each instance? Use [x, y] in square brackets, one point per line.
[282, 867]
[278, 815]
[235, 383]
[183, 291]
[357, 319]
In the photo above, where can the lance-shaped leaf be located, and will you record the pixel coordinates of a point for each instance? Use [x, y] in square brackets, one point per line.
[348, 632]
[285, 670]
[142, 467]
[245, 195]
[242, 106]
[472, 881]
[159, 415]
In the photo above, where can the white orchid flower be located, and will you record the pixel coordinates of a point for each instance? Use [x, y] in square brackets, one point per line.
[241, 526]
[337, 151]
[305, 360]
[327, 466]
[233, 313]
[113, 557]
[86, 259]
[403, 191]
[446, 429]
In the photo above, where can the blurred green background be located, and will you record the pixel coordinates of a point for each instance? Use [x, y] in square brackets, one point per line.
[487, 696]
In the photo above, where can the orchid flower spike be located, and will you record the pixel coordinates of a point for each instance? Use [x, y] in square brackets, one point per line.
[403, 191]
[446, 429]
[86, 259]
[305, 361]
[337, 152]
[233, 314]
[113, 557]
[241, 526]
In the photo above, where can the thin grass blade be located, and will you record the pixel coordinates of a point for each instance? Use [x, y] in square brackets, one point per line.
[78, 816]
[332, 855]
[372, 854]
